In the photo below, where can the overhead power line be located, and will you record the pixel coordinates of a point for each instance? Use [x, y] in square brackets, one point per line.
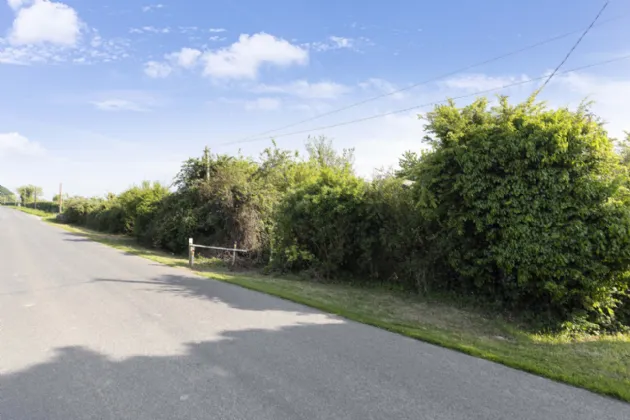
[400, 111]
[564, 60]
[433, 79]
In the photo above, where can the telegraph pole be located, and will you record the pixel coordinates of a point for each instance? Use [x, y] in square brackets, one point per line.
[60, 198]
[206, 155]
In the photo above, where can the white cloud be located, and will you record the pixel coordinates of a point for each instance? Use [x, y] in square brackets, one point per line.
[16, 4]
[381, 143]
[152, 7]
[610, 96]
[244, 58]
[263, 104]
[46, 22]
[333, 43]
[304, 89]
[15, 144]
[91, 49]
[188, 29]
[11, 55]
[118, 105]
[150, 30]
[157, 70]
[341, 42]
[186, 57]
[216, 30]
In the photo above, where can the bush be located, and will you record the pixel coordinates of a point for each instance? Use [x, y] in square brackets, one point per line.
[392, 246]
[318, 223]
[47, 206]
[131, 212]
[137, 208]
[77, 210]
[231, 206]
[523, 204]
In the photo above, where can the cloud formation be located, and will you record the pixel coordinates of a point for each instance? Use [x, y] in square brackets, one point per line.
[244, 58]
[157, 70]
[15, 144]
[44, 22]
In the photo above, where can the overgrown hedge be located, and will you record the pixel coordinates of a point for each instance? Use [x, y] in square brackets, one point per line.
[520, 206]
[47, 206]
[526, 207]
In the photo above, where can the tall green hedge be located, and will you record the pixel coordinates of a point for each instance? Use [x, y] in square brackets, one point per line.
[521, 206]
[525, 206]
[47, 206]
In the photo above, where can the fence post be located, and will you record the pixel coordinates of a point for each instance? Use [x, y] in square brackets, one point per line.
[191, 253]
[234, 255]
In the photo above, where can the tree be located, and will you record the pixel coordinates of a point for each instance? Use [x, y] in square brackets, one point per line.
[321, 151]
[29, 193]
[407, 163]
[624, 150]
[65, 197]
[524, 207]
[198, 170]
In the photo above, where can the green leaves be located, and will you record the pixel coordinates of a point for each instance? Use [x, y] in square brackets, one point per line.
[521, 200]
[520, 205]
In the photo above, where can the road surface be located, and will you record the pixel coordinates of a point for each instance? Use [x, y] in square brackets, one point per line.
[88, 332]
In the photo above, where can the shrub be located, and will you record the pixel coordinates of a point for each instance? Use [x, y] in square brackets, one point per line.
[317, 224]
[77, 209]
[47, 206]
[138, 206]
[392, 244]
[230, 206]
[523, 205]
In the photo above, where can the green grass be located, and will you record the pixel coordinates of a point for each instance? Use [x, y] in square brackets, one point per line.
[35, 212]
[600, 364]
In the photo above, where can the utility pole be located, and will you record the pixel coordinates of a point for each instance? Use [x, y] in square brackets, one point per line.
[206, 155]
[60, 198]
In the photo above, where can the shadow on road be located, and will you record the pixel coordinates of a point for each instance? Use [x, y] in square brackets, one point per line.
[239, 376]
[213, 290]
[297, 372]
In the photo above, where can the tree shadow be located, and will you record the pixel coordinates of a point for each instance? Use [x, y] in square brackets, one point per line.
[313, 372]
[213, 290]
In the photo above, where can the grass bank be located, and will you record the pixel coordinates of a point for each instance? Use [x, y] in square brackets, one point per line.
[600, 364]
[35, 212]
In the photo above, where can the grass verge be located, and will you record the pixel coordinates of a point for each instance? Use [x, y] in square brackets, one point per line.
[599, 364]
[34, 212]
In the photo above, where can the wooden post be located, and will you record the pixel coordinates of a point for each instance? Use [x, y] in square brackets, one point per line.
[191, 253]
[234, 255]
[206, 154]
[60, 198]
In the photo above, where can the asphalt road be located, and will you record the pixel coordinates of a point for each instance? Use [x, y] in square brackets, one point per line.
[87, 332]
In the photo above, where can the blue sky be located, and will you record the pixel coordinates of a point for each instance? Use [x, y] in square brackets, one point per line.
[101, 95]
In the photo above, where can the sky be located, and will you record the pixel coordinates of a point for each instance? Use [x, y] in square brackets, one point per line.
[103, 95]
